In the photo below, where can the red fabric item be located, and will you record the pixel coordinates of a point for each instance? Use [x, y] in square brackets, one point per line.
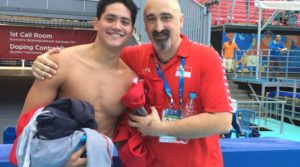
[143, 93]
[153, 88]
[135, 151]
[135, 96]
[203, 75]
[22, 122]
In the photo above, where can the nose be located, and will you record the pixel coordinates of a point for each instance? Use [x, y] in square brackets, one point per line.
[159, 26]
[116, 25]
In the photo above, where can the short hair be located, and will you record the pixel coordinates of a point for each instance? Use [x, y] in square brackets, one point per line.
[128, 3]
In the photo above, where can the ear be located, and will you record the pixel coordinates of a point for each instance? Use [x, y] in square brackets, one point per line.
[95, 22]
[181, 20]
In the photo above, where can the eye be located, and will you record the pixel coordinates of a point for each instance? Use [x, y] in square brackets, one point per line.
[110, 19]
[125, 22]
[150, 19]
[166, 18]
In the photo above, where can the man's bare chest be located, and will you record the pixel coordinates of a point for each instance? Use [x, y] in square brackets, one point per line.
[101, 90]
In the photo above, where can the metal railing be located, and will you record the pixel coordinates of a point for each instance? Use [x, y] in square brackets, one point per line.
[15, 63]
[245, 12]
[46, 22]
[266, 66]
[267, 109]
[64, 9]
[289, 92]
[284, 79]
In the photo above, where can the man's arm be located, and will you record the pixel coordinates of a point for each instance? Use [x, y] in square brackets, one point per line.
[236, 47]
[42, 93]
[200, 125]
[223, 50]
[282, 47]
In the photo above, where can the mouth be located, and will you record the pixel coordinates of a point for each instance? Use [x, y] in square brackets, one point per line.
[162, 35]
[116, 34]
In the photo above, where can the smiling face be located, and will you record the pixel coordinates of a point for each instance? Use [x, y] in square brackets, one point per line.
[163, 20]
[114, 26]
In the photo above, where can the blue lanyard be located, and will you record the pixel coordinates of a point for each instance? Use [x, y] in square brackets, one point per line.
[166, 85]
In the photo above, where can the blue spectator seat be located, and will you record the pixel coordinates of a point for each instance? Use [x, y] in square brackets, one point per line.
[246, 117]
[9, 135]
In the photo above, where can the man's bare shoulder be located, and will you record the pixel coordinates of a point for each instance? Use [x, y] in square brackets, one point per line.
[76, 49]
[68, 55]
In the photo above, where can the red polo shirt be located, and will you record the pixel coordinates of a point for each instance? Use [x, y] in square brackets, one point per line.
[203, 75]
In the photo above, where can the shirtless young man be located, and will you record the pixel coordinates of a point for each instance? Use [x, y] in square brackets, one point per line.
[95, 73]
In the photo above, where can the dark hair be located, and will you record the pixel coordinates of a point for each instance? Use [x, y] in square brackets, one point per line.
[128, 3]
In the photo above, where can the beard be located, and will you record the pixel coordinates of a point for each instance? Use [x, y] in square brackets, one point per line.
[161, 40]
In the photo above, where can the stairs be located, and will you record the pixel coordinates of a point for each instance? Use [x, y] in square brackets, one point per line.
[236, 93]
[242, 95]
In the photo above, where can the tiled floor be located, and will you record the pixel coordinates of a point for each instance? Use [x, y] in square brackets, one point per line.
[290, 132]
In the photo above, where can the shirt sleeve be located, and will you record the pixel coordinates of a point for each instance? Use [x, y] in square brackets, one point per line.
[125, 56]
[272, 46]
[132, 56]
[214, 91]
[281, 45]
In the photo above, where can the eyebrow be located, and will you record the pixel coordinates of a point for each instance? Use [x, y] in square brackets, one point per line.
[161, 14]
[164, 14]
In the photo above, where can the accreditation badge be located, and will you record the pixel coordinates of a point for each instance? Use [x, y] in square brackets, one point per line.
[171, 115]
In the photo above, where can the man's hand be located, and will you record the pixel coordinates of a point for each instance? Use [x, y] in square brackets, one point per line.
[42, 67]
[149, 125]
[75, 160]
[283, 51]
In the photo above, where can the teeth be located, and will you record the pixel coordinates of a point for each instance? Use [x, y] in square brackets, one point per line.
[115, 35]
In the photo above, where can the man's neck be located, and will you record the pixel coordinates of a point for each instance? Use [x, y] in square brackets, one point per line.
[105, 56]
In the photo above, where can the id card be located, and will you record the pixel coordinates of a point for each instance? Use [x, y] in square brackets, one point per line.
[171, 115]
